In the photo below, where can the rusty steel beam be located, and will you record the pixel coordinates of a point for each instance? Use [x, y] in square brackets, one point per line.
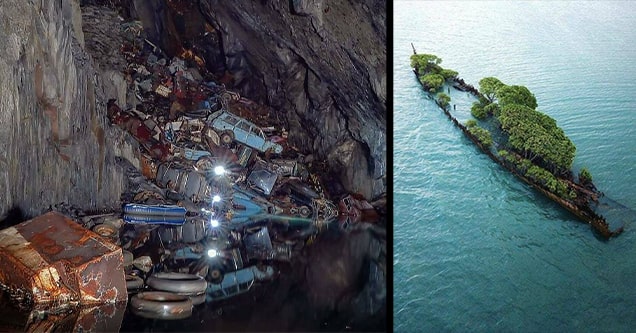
[56, 261]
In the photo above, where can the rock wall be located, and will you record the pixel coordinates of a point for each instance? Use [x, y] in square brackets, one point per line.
[321, 65]
[55, 145]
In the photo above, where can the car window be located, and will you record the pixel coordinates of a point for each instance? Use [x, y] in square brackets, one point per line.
[229, 119]
[232, 290]
[257, 131]
[244, 126]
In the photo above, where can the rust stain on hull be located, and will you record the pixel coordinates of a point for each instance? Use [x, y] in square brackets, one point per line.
[60, 262]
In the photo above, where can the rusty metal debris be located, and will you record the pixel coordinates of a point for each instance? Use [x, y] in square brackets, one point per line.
[222, 196]
[60, 263]
[249, 197]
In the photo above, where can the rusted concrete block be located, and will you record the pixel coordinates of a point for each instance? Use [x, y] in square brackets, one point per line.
[56, 261]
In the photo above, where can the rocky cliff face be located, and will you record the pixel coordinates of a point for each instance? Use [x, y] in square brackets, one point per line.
[54, 141]
[321, 65]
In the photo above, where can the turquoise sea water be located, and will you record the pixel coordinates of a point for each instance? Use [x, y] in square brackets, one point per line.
[475, 250]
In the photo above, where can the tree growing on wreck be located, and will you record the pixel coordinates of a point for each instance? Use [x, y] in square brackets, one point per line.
[482, 134]
[537, 137]
[430, 73]
[448, 73]
[488, 87]
[426, 63]
[585, 177]
[478, 111]
[443, 99]
[432, 81]
[507, 95]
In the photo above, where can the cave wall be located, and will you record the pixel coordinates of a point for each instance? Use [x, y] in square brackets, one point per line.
[321, 65]
[55, 145]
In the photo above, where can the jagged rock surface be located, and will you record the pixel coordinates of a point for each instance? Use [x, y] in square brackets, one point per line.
[54, 138]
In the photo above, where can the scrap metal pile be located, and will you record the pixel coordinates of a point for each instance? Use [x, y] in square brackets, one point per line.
[231, 197]
[222, 199]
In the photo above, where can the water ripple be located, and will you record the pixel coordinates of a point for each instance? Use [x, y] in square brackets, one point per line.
[475, 249]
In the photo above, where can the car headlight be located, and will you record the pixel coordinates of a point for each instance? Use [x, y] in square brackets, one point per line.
[219, 170]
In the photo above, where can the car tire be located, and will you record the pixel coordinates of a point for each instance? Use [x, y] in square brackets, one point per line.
[180, 283]
[161, 305]
[305, 211]
[215, 275]
[134, 282]
[105, 230]
[227, 138]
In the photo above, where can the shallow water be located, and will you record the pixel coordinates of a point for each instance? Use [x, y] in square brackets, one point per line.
[474, 248]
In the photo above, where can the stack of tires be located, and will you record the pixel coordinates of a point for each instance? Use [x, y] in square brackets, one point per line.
[175, 296]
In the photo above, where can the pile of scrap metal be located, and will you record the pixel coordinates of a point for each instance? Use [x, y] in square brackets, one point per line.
[230, 200]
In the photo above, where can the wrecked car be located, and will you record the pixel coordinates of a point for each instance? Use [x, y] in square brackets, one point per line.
[288, 168]
[238, 282]
[357, 209]
[234, 128]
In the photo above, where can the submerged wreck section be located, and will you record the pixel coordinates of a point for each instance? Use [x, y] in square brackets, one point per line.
[55, 261]
[528, 143]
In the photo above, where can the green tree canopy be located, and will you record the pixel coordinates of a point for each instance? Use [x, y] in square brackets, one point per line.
[443, 99]
[424, 62]
[536, 135]
[448, 73]
[492, 109]
[432, 81]
[478, 111]
[585, 176]
[507, 95]
[482, 134]
[488, 87]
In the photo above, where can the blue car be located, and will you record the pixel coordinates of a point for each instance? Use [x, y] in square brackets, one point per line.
[231, 127]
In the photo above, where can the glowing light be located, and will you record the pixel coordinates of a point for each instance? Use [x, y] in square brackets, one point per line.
[214, 223]
[212, 253]
[216, 198]
[219, 170]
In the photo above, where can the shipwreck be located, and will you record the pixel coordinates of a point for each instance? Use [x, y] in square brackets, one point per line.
[526, 142]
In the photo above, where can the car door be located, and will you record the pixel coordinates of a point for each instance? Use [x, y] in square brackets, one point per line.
[256, 138]
[242, 131]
